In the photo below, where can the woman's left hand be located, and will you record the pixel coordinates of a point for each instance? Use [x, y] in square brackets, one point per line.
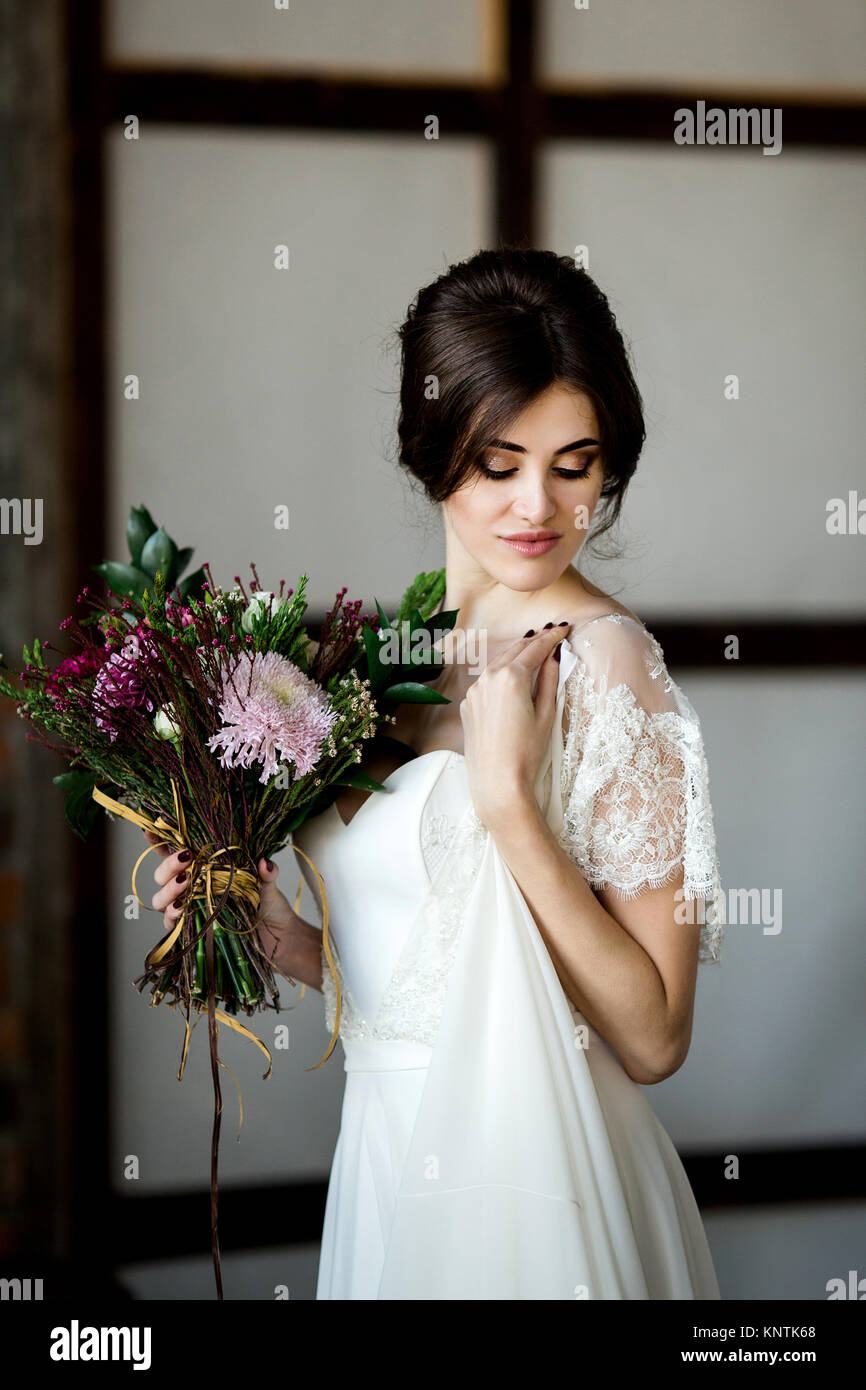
[505, 729]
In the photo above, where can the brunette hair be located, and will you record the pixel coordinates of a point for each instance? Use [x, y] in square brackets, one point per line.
[484, 339]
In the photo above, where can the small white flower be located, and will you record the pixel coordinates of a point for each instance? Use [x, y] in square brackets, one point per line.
[261, 601]
[164, 725]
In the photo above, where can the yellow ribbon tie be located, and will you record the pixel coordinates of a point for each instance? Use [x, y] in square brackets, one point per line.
[246, 885]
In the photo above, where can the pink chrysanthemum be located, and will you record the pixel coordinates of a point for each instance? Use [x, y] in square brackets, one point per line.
[270, 708]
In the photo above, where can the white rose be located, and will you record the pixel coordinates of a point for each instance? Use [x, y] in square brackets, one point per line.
[259, 603]
[164, 725]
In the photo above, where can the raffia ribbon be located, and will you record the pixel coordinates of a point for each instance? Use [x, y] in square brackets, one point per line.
[216, 879]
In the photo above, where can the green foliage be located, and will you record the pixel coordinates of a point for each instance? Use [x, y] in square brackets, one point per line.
[140, 526]
[397, 683]
[80, 809]
[151, 551]
[424, 593]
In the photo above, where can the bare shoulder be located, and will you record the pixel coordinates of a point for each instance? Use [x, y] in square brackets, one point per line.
[608, 635]
[598, 605]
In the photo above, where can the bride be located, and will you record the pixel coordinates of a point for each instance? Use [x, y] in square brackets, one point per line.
[517, 919]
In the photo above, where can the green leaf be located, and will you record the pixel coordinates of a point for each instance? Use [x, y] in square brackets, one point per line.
[376, 671]
[192, 584]
[384, 620]
[124, 579]
[356, 777]
[444, 621]
[160, 553]
[412, 693]
[421, 671]
[183, 558]
[140, 526]
[80, 808]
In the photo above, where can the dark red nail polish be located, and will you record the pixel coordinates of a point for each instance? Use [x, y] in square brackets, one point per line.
[269, 865]
[530, 633]
[182, 876]
[184, 855]
[547, 625]
[557, 651]
[563, 624]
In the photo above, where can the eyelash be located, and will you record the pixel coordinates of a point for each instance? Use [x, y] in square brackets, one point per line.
[563, 472]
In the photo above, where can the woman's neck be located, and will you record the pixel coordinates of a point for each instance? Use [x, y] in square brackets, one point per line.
[500, 612]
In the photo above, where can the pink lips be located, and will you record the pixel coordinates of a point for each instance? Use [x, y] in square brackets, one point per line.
[530, 547]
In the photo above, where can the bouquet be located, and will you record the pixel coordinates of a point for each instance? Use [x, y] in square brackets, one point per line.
[212, 718]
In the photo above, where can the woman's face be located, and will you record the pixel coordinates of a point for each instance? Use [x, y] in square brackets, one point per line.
[545, 477]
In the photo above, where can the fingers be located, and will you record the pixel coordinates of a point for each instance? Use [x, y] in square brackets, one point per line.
[268, 883]
[542, 645]
[162, 848]
[171, 914]
[268, 870]
[529, 651]
[547, 682]
[172, 876]
[174, 887]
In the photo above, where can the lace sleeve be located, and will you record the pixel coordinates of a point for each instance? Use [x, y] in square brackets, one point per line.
[634, 780]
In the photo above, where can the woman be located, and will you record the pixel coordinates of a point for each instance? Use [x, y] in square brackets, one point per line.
[518, 918]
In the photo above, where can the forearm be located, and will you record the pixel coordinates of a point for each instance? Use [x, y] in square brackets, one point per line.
[296, 952]
[607, 975]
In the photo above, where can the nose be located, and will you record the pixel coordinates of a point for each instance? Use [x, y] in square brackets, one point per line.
[533, 502]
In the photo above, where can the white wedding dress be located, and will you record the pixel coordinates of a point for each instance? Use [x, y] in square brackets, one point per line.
[492, 1146]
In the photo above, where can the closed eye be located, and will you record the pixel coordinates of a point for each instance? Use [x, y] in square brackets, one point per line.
[562, 472]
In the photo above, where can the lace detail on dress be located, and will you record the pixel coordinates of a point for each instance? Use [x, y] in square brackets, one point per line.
[635, 790]
[414, 996]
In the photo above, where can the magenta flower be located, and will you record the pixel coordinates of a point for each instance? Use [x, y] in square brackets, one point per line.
[119, 684]
[269, 707]
[73, 669]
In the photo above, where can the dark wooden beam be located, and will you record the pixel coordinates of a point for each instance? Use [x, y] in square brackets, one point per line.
[518, 115]
[83, 501]
[517, 130]
[191, 97]
[764, 643]
[176, 1224]
[648, 117]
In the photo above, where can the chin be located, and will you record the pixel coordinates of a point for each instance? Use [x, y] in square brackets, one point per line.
[526, 573]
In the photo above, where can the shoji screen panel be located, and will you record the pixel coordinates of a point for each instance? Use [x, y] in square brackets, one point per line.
[451, 39]
[739, 45]
[723, 265]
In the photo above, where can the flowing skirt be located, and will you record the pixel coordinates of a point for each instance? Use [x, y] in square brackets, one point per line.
[515, 1159]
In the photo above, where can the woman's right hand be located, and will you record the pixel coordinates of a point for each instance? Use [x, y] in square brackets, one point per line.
[284, 936]
[172, 877]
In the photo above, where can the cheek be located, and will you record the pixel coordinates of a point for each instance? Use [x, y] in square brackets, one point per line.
[473, 509]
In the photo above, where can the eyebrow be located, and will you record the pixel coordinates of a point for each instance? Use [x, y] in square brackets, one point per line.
[519, 449]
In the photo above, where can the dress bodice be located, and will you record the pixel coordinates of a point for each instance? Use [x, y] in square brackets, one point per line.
[392, 926]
